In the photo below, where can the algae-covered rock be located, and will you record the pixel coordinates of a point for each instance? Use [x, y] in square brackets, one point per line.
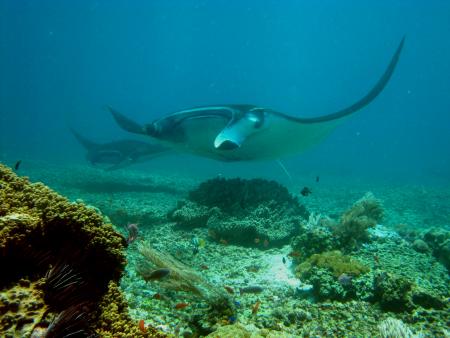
[393, 292]
[421, 246]
[335, 262]
[62, 253]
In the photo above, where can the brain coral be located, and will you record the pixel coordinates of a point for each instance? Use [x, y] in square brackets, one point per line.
[63, 256]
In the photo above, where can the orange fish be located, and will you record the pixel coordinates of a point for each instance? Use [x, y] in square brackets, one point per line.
[256, 307]
[142, 326]
[294, 254]
[157, 296]
[229, 289]
[181, 306]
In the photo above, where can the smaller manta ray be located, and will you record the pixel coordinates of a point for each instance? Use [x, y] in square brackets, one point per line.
[119, 154]
[243, 132]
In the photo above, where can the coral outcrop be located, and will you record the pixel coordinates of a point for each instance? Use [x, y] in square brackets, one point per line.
[245, 212]
[314, 240]
[351, 231]
[62, 257]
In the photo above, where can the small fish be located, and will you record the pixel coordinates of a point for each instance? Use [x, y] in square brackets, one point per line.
[229, 289]
[157, 296]
[251, 289]
[204, 267]
[345, 279]
[223, 241]
[232, 319]
[158, 274]
[17, 165]
[376, 258]
[195, 250]
[284, 260]
[181, 306]
[266, 243]
[317, 179]
[133, 232]
[305, 191]
[257, 240]
[201, 243]
[255, 307]
[237, 303]
[294, 253]
[142, 326]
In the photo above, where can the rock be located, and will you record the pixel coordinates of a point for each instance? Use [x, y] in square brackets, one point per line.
[421, 246]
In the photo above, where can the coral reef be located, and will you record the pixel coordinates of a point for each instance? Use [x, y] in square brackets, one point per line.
[351, 231]
[236, 196]
[332, 275]
[246, 212]
[62, 252]
[439, 242]
[264, 226]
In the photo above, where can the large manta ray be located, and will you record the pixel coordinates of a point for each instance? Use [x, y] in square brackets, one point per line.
[243, 132]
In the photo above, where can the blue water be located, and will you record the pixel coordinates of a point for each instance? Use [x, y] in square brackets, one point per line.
[61, 62]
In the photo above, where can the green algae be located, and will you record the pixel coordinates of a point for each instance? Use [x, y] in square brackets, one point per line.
[333, 261]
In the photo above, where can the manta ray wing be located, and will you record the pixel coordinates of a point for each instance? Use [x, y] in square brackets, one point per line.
[247, 132]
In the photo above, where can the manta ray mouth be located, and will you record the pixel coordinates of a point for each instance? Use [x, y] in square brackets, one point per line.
[227, 145]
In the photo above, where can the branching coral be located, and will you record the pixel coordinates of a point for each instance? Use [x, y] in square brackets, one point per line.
[180, 278]
[352, 228]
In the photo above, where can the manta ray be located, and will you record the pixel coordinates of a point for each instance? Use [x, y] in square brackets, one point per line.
[119, 154]
[245, 132]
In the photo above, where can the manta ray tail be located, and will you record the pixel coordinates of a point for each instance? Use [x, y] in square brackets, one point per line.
[369, 97]
[126, 123]
[87, 144]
